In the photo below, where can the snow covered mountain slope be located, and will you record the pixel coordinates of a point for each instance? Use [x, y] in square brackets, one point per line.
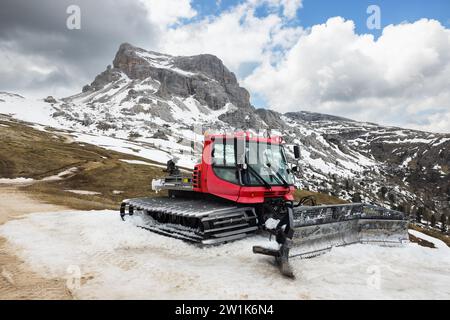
[396, 167]
[158, 106]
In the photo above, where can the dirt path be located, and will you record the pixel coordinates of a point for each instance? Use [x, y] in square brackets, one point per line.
[16, 280]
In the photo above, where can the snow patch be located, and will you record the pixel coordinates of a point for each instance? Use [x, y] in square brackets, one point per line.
[16, 180]
[135, 162]
[437, 243]
[271, 223]
[83, 192]
[61, 175]
[126, 262]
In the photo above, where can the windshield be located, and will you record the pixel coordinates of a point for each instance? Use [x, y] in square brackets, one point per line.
[269, 162]
[266, 163]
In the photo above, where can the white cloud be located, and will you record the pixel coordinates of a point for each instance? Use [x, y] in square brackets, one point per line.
[290, 7]
[166, 12]
[30, 73]
[237, 36]
[402, 78]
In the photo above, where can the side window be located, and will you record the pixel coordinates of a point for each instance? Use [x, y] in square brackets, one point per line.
[218, 154]
[229, 155]
[223, 154]
[224, 161]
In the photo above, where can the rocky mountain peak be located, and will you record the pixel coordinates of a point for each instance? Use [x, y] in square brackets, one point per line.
[204, 76]
[209, 65]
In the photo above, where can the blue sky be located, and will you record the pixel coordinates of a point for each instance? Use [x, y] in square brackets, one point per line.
[392, 11]
[318, 11]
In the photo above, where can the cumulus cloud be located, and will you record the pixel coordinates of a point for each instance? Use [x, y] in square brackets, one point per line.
[288, 8]
[402, 78]
[237, 36]
[168, 11]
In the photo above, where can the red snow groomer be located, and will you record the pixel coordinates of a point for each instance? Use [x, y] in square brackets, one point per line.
[245, 184]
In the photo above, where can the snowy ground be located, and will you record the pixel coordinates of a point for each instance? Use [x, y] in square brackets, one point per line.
[117, 260]
[21, 180]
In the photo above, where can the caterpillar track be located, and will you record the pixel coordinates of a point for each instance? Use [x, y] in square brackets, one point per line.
[192, 220]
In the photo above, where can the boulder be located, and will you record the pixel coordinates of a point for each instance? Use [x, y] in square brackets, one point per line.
[50, 99]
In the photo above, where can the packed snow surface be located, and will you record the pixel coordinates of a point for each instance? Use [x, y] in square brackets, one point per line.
[84, 192]
[117, 260]
[15, 180]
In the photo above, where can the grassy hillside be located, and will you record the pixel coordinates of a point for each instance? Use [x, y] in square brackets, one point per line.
[31, 153]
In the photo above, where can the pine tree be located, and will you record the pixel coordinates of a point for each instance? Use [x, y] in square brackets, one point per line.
[443, 222]
[391, 197]
[426, 217]
[356, 198]
[433, 220]
[419, 214]
[347, 185]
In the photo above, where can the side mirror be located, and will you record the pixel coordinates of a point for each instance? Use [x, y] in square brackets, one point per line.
[297, 152]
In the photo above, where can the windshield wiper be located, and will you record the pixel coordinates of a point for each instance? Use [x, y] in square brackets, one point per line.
[258, 176]
[277, 175]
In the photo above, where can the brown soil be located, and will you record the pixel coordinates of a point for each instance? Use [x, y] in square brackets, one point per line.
[16, 280]
[421, 242]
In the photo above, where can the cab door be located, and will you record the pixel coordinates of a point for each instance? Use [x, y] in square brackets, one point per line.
[223, 175]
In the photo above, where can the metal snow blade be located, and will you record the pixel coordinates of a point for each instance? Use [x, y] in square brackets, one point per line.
[317, 229]
[310, 231]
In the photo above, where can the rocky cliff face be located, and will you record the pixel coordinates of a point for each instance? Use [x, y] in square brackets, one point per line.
[158, 100]
[203, 76]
